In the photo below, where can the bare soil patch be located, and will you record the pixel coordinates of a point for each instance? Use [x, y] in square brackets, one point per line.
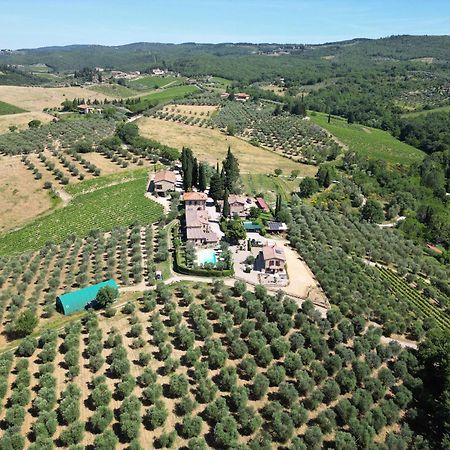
[21, 196]
[21, 120]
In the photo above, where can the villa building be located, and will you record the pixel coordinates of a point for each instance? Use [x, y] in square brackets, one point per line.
[274, 259]
[198, 228]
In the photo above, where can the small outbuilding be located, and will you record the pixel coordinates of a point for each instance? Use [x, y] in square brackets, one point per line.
[75, 301]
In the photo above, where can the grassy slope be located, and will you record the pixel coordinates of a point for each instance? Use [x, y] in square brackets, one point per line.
[269, 185]
[426, 112]
[102, 209]
[150, 82]
[6, 108]
[114, 90]
[170, 93]
[101, 182]
[376, 144]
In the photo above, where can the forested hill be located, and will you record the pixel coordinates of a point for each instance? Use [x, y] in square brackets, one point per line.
[242, 61]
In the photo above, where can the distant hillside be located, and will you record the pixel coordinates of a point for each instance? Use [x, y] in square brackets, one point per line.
[244, 61]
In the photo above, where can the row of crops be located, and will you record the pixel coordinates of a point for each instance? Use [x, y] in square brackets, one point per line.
[335, 247]
[429, 307]
[291, 135]
[102, 209]
[66, 132]
[208, 366]
[33, 280]
[180, 118]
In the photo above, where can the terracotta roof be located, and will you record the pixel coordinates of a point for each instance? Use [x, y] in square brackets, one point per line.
[197, 233]
[196, 218]
[262, 203]
[273, 252]
[165, 175]
[194, 196]
[84, 106]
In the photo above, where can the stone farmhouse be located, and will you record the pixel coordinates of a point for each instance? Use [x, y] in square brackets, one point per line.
[164, 181]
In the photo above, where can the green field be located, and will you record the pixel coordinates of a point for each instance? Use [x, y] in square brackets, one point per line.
[371, 142]
[171, 93]
[426, 112]
[150, 82]
[102, 209]
[104, 181]
[114, 90]
[6, 108]
[269, 185]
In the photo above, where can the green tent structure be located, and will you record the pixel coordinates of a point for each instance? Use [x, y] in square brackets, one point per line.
[75, 301]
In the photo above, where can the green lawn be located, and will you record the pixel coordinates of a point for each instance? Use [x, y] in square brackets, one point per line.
[6, 108]
[114, 90]
[426, 112]
[170, 93]
[102, 209]
[150, 82]
[269, 185]
[371, 142]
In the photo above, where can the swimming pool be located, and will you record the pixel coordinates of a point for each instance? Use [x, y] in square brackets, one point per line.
[206, 256]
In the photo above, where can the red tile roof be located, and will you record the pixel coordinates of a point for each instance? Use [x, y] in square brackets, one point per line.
[273, 252]
[165, 175]
[194, 196]
[262, 204]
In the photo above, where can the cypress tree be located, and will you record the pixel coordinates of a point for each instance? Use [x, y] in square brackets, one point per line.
[216, 187]
[187, 175]
[202, 177]
[231, 172]
[226, 204]
[195, 172]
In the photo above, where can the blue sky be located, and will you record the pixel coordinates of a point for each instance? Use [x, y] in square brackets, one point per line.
[36, 23]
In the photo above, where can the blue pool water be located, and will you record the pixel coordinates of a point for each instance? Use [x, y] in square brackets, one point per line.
[206, 256]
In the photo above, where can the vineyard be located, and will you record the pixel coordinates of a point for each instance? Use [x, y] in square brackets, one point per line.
[197, 366]
[290, 135]
[101, 209]
[335, 248]
[429, 308]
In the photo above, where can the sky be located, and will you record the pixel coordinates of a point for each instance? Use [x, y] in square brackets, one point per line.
[38, 23]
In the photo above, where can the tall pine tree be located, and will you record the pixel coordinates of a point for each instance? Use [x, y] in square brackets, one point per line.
[226, 204]
[202, 177]
[195, 172]
[216, 187]
[231, 173]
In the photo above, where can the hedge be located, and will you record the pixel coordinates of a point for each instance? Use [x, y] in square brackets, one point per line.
[180, 268]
